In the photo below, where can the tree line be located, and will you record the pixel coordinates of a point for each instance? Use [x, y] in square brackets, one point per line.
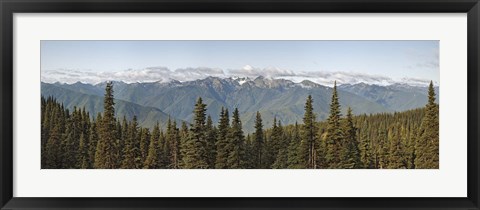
[400, 140]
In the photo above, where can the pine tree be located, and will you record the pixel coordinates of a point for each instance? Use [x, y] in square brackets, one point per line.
[68, 155]
[236, 141]
[93, 141]
[83, 159]
[153, 157]
[309, 131]
[123, 140]
[427, 149]
[132, 155]
[258, 144]
[350, 152]
[163, 156]
[120, 143]
[249, 153]
[53, 151]
[211, 137]
[144, 143]
[173, 144]
[273, 144]
[365, 149]
[381, 150]
[334, 135]
[195, 152]
[222, 141]
[410, 134]
[280, 145]
[105, 154]
[183, 137]
[295, 160]
[396, 150]
[320, 147]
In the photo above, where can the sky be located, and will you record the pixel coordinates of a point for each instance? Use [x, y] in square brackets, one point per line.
[379, 62]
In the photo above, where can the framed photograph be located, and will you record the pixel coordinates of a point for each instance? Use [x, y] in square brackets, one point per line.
[239, 105]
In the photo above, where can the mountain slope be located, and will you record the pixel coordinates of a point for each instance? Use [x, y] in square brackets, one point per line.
[147, 116]
[397, 97]
[271, 97]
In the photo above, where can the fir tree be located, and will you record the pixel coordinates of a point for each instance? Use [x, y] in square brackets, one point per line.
[53, 152]
[281, 144]
[334, 134]
[273, 144]
[309, 130]
[236, 141]
[153, 157]
[173, 143]
[295, 159]
[132, 155]
[365, 150]
[249, 153]
[83, 158]
[105, 153]
[222, 141]
[396, 156]
[427, 150]
[93, 139]
[381, 150]
[211, 137]
[258, 144]
[350, 152]
[195, 152]
[144, 143]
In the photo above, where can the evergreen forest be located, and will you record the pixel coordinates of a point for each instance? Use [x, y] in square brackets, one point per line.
[73, 139]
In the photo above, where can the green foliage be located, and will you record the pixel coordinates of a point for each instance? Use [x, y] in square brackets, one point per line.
[350, 154]
[335, 134]
[388, 140]
[222, 143]
[258, 146]
[236, 143]
[309, 129]
[427, 149]
[132, 155]
[154, 159]
[295, 159]
[194, 150]
[211, 138]
[105, 153]
[172, 144]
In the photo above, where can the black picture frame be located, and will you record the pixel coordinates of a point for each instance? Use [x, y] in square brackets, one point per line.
[9, 7]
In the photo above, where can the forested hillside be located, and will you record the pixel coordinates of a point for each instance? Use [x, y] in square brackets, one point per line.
[71, 138]
[280, 98]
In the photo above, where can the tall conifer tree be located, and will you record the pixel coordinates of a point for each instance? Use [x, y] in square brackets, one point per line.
[105, 154]
[153, 157]
[222, 141]
[132, 155]
[334, 135]
[427, 150]
[258, 143]
[211, 137]
[350, 152]
[309, 131]
[295, 160]
[236, 143]
[195, 152]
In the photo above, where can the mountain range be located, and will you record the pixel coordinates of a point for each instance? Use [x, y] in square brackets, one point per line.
[281, 98]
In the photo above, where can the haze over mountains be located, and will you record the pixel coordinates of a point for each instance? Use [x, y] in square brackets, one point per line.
[156, 101]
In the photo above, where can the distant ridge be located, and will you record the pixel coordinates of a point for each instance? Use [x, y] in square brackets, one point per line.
[271, 97]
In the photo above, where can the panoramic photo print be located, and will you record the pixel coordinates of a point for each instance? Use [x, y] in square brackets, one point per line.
[240, 104]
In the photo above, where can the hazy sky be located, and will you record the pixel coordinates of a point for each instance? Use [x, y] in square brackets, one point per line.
[397, 60]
